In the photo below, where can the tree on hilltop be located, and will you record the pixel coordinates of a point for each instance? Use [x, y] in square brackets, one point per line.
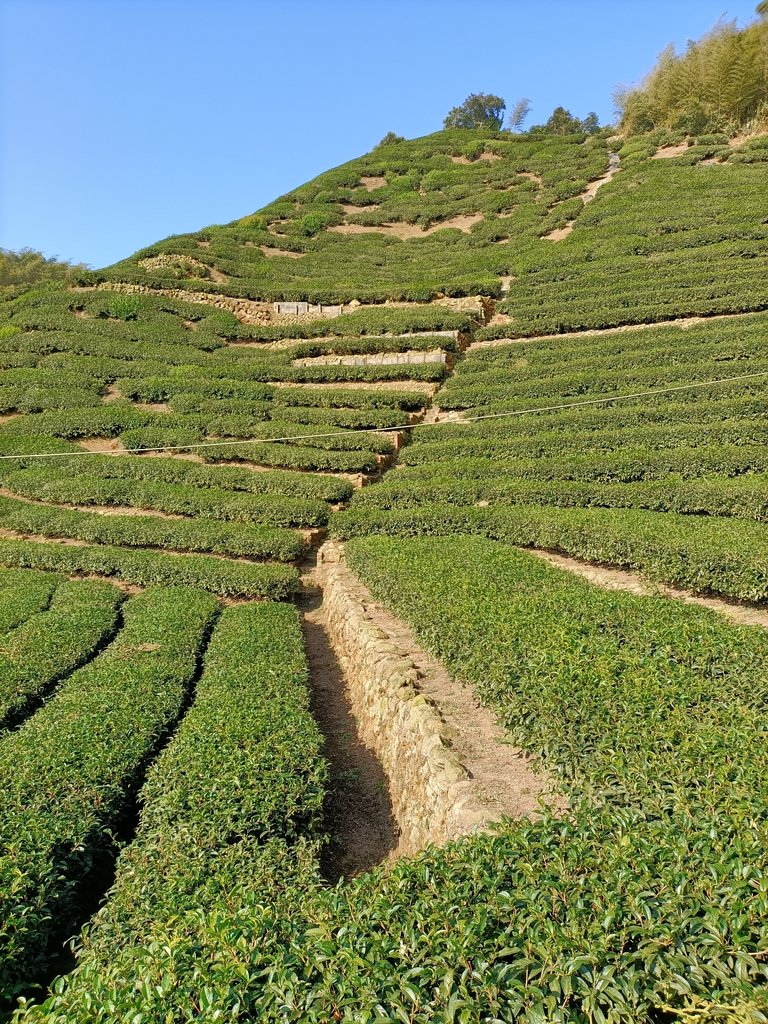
[562, 122]
[390, 139]
[479, 110]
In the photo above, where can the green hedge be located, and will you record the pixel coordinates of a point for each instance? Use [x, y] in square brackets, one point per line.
[182, 499]
[145, 568]
[239, 540]
[250, 752]
[54, 642]
[179, 471]
[68, 773]
[23, 593]
[726, 556]
[744, 497]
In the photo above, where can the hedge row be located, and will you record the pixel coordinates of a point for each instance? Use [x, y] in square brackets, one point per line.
[558, 443]
[54, 642]
[145, 568]
[625, 466]
[744, 497]
[69, 772]
[23, 593]
[250, 752]
[176, 499]
[238, 540]
[228, 478]
[725, 556]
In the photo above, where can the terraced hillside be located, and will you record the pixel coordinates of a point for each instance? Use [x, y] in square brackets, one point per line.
[410, 354]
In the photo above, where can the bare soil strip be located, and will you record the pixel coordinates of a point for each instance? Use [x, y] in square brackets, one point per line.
[621, 579]
[404, 231]
[399, 729]
[502, 778]
[586, 196]
[681, 322]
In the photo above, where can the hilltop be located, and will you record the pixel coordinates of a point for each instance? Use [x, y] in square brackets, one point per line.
[459, 447]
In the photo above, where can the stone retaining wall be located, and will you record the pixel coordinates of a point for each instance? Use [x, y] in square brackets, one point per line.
[246, 310]
[432, 796]
[376, 359]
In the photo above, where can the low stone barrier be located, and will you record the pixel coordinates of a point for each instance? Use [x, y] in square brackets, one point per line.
[433, 798]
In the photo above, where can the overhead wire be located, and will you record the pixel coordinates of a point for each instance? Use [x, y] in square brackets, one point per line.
[465, 420]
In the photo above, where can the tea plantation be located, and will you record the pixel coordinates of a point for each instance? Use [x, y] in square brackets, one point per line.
[448, 354]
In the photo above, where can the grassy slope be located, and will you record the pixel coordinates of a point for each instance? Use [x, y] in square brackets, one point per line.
[175, 372]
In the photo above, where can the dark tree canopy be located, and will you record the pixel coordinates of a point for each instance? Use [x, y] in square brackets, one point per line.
[479, 110]
[562, 122]
[389, 140]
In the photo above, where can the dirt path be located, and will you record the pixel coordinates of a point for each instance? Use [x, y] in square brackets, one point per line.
[621, 579]
[358, 809]
[586, 196]
[502, 779]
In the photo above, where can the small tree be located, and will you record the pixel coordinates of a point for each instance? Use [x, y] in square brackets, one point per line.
[479, 110]
[562, 122]
[519, 112]
[389, 140]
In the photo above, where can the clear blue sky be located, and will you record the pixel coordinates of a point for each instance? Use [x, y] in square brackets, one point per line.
[123, 121]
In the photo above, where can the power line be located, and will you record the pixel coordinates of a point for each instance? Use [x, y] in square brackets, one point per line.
[400, 427]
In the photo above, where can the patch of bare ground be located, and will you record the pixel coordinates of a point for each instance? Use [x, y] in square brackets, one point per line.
[356, 479]
[273, 252]
[111, 394]
[186, 456]
[108, 445]
[83, 314]
[39, 537]
[622, 579]
[371, 182]
[191, 325]
[682, 322]
[485, 155]
[403, 231]
[188, 264]
[203, 243]
[351, 208]
[8, 416]
[586, 196]
[358, 809]
[437, 415]
[559, 233]
[710, 161]
[666, 152]
[530, 176]
[246, 310]
[152, 406]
